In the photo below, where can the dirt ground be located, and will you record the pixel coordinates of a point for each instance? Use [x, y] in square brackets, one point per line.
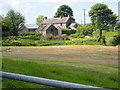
[78, 53]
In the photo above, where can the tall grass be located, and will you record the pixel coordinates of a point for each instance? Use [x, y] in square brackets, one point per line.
[68, 73]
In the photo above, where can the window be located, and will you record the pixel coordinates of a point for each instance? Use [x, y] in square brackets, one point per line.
[51, 30]
[61, 24]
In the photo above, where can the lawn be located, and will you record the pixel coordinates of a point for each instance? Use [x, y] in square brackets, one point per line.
[89, 65]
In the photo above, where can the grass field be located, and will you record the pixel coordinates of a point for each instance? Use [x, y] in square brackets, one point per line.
[89, 65]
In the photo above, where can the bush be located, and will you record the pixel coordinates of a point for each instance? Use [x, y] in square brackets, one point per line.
[115, 41]
[16, 43]
[30, 35]
[51, 37]
[6, 43]
[12, 38]
[77, 35]
[85, 41]
[27, 33]
[85, 29]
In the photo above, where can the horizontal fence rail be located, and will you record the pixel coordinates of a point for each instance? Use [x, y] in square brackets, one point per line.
[44, 81]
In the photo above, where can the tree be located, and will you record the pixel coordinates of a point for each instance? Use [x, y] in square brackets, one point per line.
[64, 10]
[13, 22]
[39, 20]
[85, 29]
[102, 18]
[117, 27]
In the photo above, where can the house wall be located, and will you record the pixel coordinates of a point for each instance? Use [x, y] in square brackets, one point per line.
[44, 33]
[31, 30]
[62, 26]
[59, 31]
[52, 31]
[24, 30]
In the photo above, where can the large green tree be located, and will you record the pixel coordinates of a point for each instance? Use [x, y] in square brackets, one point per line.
[39, 20]
[102, 18]
[64, 10]
[117, 27]
[13, 22]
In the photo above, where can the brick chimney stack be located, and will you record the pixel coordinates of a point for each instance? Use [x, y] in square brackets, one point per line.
[69, 16]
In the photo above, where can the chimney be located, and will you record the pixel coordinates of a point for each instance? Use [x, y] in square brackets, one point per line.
[61, 17]
[69, 16]
[45, 18]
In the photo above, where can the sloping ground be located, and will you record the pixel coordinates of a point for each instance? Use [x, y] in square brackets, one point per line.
[84, 64]
[78, 53]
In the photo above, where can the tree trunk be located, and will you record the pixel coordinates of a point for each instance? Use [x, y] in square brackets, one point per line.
[100, 35]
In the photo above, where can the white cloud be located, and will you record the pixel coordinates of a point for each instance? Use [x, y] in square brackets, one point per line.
[27, 8]
[58, 2]
[102, 1]
[18, 5]
[13, 3]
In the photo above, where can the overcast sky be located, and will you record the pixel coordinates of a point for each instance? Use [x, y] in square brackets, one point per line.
[33, 8]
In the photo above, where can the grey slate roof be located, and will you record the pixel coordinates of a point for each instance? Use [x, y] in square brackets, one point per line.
[55, 20]
[31, 26]
[45, 27]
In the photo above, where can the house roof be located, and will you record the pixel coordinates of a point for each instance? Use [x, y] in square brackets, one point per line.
[45, 27]
[55, 20]
[31, 26]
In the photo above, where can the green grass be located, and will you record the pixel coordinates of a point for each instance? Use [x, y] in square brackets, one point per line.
[93, 74]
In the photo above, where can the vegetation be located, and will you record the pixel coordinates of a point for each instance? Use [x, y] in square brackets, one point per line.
[82, 31]
[85, 34]
[52, 37]
[67, 71]
[39, 20]
[36, 39]
[102, 18]
[117, 27]
[115, 41]
[13, 22]
[64, 11]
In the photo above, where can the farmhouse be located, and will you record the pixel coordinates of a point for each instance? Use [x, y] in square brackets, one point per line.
[56, 26]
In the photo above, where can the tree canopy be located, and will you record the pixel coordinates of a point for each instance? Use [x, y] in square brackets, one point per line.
[64, 10]
[102, 17]
[85, 29]
[39, 20]
[13, 22]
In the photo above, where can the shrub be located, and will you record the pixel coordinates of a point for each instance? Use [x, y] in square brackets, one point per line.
[12, 38]
[27, 33]
[85, 29]
[85, 41]
[6, 43]
[30, 35]
[16, 43]
[77, 35]
[115, 41]
[51, 37]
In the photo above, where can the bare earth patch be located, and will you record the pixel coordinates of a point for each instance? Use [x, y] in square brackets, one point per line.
[78, 53]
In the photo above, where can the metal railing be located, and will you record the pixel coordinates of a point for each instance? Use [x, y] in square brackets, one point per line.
[44, 81]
